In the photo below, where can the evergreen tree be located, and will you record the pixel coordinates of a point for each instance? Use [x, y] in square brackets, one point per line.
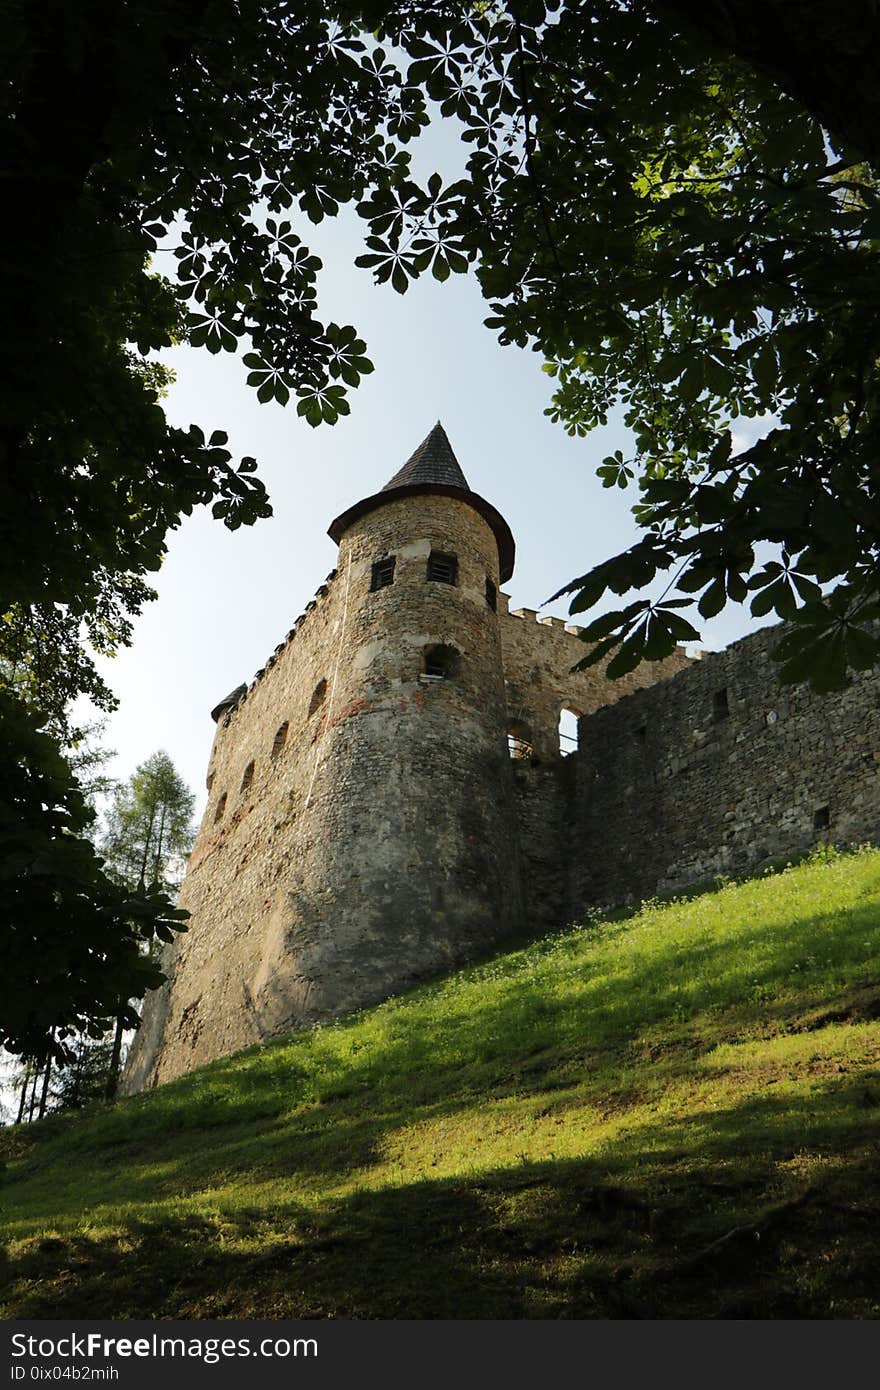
[85, 1078]
[148, 836]
[149, 829]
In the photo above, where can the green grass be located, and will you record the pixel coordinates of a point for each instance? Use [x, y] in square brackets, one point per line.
[676, 1114]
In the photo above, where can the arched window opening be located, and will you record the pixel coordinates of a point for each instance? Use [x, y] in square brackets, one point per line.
[520, 743]
[221, 807]
[441, 662]
[280, 740]
[318, 694]
[247, 777]
[720, 705]
[491, 594]
[568, 730]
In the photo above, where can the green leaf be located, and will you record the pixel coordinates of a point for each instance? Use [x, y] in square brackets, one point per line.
[627, 659]
[596, 655]
[714, 599]
[822, 661]
[676, 625]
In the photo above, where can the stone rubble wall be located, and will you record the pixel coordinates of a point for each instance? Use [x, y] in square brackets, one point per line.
[242, 857]
[544, 792]
[538, 654]
[672, 793]
[378, 843]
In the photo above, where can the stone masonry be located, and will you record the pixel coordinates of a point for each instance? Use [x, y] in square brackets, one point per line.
[388, 798]
[721, 771]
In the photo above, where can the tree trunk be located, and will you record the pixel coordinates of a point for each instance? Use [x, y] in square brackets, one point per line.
[826, 55]
[113, 1073]
[33, 1095]
[142, 881]
[77, 1075]
[44, 1093]
[157, 858]
[24, 1085]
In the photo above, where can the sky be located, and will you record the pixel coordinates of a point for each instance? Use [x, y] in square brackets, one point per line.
[225, 599]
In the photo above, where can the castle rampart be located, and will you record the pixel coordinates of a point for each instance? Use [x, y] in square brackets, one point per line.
[538, 654]
[720, 771]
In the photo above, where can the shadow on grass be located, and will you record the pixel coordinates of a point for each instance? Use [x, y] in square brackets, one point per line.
[321, 1103]
[765, 1209]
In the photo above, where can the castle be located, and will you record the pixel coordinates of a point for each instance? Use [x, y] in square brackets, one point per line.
[388, 797]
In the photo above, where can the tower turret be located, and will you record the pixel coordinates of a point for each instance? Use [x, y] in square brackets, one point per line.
[418, 859]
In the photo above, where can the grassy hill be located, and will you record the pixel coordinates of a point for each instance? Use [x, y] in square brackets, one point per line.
[672, 1114]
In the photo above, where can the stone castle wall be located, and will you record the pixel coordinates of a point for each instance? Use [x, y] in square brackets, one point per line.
[538, 654]
[243, 856]
[720, 771]
[357, 843]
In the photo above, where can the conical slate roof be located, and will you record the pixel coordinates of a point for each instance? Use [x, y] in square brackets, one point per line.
[433, 468]
[230, 702]
[433, 462]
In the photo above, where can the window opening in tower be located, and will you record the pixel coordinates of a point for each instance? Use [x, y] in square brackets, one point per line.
[442, 569]
[440, 662]
[383, 573]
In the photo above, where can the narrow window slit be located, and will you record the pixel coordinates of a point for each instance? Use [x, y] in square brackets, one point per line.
[442, 568]
[383, 573]
[568, 730]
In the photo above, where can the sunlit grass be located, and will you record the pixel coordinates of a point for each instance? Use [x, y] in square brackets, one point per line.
[561, 1131]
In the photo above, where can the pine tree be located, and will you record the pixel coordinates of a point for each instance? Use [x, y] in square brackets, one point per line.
[149, 829]
[148, 837]
[85, 1078]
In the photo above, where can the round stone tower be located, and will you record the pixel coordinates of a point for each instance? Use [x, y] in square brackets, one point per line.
[408, 856]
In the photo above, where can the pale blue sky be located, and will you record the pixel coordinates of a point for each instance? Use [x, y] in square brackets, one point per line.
[226, 599]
